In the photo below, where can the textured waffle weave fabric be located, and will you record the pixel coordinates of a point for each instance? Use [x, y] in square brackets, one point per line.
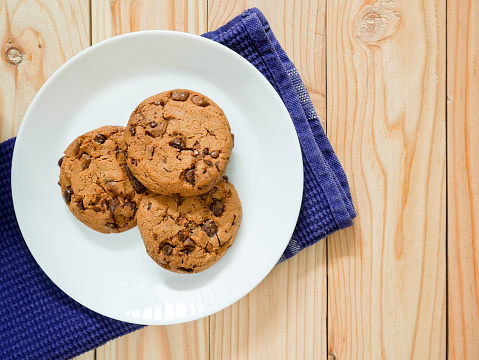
[39, 321]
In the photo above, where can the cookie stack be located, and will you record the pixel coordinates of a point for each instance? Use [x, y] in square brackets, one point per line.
[165, 172]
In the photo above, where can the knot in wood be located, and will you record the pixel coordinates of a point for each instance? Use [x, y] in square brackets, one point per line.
[375, 23]
[14, 56]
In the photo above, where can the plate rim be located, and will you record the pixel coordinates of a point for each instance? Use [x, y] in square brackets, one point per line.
[208, 43]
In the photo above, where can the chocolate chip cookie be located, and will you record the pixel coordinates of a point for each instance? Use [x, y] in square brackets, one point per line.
[95, 181]
[190, 234]
[179, 142]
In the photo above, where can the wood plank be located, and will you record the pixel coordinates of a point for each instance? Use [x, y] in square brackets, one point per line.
[285, 316]
[463, 178]
[187, 341]
[111, 18]
[386, 121]
[300, 29]
[115, 17]
[90, 355]
[36, 38]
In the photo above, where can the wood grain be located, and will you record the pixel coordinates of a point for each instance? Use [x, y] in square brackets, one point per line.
[115, 17]
[285, 316]
[386, 121]
[111, 18]
[36, 38]
[90, 355]
[187, 341]
[463, 178]
[300, 29]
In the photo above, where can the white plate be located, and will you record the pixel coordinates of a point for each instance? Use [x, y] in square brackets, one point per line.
[112, 274]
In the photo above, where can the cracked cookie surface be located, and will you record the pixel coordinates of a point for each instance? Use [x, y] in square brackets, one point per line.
[179, 142]
[190, 234]
[94, 182]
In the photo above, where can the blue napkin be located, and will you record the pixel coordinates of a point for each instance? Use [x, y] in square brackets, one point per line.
[39, 321]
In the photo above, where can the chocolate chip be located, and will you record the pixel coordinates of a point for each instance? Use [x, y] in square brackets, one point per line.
[138, 186]
[67, 195]
[80, 205]
[113, 205]
[111, 226]
[155, 132]
[76, 147]
[189, 271]
[217, 165]
[209, 163]
[149, 206]
[206, 151]
[167, 249]
[190, 175]
[180, 95]
[210, 228]
[204, 196]
[149, 151]
[178, 143]
[177, 198]
[200, 101]
[181, 236]
[217, 208]
[163, 126]
[209, 247]
[129, 209]
[225, 178]
[195, 153]
[85, 160]
[113, 187]
[100, 139]
[215, 154]
[132, 130]
[153, 124]
[60, 161]
[189, 242]
[234, 218]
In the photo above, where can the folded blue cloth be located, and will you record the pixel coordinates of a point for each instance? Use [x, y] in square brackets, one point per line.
[39, 321]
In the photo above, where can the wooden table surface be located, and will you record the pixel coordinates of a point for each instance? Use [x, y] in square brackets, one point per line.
[396, 84]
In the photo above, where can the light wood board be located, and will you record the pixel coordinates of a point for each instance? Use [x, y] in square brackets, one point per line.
[111, 18]
[386, 119]
[36, 39]
[285, 316]
[463, 178]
